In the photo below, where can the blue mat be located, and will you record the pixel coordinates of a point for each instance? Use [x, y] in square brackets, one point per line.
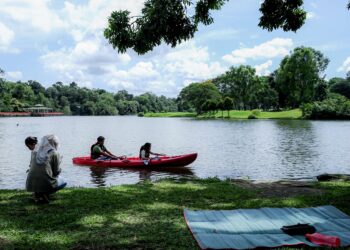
[252, 228]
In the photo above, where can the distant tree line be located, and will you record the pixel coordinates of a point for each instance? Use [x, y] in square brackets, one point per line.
[74, 100]
[298, 81]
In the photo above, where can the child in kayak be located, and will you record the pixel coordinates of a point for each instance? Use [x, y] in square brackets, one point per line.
[145, 153]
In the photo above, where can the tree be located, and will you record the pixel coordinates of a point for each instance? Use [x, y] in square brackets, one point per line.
[196, 94]
[298, 75]
[342, 88]
[170, 21]
[227, 104]
[321, 91]
[239, 83]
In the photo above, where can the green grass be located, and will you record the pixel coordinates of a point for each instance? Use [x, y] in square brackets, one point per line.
[235, 114]
[244, 114]
[171, 114]
[141, 216]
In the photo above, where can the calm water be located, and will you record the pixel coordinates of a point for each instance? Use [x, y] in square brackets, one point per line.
[254, 149]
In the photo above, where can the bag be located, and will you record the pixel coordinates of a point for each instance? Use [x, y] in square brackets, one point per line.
[299, 229]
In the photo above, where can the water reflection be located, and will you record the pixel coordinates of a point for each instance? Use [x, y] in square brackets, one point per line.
[99, 175]
[296, 143]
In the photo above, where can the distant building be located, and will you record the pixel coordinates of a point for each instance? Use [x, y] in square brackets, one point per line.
[38, 108]
[41, 110]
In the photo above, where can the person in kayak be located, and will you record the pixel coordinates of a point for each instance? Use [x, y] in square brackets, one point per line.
[100, 152]
[43, 177]
[145, 153]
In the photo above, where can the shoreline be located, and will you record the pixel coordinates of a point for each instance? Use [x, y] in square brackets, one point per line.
[144, 215]
[294, 114]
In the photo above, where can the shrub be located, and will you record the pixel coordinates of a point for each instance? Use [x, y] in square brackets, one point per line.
[140, 114]
[256, 112]
[335, 107]
[251, 116]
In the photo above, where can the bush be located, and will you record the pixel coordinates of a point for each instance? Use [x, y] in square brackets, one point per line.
[251, 116]
[256, 112]
[140, 114]
[335, 107]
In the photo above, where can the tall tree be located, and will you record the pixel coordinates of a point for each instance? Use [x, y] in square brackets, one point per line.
[196, 94]
[298, 75]
[239, 83]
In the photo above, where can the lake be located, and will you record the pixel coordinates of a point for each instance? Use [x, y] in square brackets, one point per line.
[248, 149]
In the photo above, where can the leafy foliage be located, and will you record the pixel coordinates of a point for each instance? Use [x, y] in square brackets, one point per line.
[298, 76]
[197, 94]
[161, 20]
[335, 107]
[169, 21]
[342, 87]
[287, 15]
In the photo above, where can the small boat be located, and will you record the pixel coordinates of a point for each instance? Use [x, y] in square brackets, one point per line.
[135, 162]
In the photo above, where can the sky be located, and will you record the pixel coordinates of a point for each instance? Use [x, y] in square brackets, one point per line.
[53, 40]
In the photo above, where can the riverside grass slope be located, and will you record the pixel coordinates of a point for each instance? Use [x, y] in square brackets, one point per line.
[141, 216]
[235, 114]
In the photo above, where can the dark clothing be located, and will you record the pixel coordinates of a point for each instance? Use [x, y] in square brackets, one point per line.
[96, 150]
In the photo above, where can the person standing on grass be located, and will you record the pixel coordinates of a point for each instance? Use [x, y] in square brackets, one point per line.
[43, 177]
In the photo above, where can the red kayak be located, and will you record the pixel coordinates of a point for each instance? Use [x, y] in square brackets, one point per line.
[161, 161]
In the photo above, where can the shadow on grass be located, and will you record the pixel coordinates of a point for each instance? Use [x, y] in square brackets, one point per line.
[143, 216]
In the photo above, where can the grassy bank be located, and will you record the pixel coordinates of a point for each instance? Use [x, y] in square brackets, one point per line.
[235, 114]
[142, 216]
[171, 114]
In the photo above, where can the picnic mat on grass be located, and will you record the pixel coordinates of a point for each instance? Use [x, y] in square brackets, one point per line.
[252, 228]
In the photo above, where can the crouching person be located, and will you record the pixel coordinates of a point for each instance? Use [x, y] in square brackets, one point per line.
[43, 176]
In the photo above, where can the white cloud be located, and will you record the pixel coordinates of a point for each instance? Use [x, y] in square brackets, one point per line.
[192, 62]
[14, 75]
[263, 69]
[6, 38]
[277, 47]
[36, 13]
[234, 60]
[346, 65]
[82, 19]
[86, 59]
[310, 15]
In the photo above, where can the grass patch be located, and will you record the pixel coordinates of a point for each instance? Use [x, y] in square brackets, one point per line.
[244, 114]
[236, 114]
[142, 216]
[171, 114]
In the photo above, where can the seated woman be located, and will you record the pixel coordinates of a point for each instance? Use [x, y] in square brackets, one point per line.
[145, 152]
[43, 177]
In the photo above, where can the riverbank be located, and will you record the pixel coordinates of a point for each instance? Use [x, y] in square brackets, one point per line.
[235, 114]
[142, 216]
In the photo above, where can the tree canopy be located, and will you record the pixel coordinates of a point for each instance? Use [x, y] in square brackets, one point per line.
[298, 76]
[174, 21]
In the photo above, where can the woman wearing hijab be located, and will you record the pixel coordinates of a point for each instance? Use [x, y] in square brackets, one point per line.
[43, 177]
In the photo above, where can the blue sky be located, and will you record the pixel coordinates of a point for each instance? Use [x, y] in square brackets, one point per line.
[52, 40]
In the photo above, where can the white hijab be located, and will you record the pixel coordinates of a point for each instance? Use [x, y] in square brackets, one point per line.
[47, 144]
